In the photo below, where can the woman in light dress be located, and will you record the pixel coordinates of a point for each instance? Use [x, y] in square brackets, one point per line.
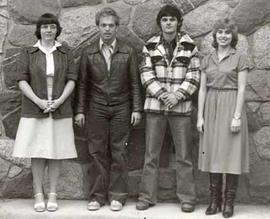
[46, 77]
[222, 121]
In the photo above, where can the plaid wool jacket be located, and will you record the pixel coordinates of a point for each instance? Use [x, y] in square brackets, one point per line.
[180, 75]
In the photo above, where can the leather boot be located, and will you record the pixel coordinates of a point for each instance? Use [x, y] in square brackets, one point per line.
[215, 193]
[230, 193]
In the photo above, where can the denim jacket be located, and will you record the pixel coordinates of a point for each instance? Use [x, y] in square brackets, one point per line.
[31, 67]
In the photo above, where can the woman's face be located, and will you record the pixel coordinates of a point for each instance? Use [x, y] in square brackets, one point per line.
[48, 31]
[224, 37]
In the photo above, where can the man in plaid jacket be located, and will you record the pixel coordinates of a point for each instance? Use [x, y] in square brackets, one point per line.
[170, 75]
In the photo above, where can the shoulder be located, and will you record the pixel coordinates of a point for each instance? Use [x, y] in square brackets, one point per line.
[152, 42]
[124, 47]
[186, 41]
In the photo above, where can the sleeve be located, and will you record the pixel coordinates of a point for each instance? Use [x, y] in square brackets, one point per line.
[23, 66]
[148, 76]
[82, 84]
[71, 70]
[243, 63]
[192, 79]
[136, 90]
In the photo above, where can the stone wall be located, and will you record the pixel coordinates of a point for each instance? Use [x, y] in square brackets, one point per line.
[17, 28]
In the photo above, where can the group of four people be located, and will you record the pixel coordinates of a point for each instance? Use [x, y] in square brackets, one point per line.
[108, 98]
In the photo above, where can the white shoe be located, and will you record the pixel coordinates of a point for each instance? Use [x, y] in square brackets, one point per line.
[116, 205]
[52, 202]
[93, 206]
[39, 205]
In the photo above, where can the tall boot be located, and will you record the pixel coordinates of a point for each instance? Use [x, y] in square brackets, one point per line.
[215, 193]
[230, 193]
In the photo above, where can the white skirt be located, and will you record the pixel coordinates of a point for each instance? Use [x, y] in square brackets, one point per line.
[45, 138]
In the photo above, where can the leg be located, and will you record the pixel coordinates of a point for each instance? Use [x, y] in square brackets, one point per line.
[97, 136]
[215, 193]
[38, 166]
[180, 127]
[155, 131]
[119, 136]
[53, 172]
[230, 193]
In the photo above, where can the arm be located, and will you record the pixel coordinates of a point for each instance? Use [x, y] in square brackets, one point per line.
[191, 81]
[148, 77]
[81, 90]
[201, 102]
[29, 93]
[236, 120]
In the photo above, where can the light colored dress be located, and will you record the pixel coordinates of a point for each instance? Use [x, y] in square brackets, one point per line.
[222, 151]
[45, 137]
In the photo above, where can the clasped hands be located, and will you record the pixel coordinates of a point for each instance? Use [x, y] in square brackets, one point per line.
[169, 99]
[49, 105]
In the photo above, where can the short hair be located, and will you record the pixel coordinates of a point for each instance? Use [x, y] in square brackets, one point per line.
[47, 18]
[225, 23]
[170, 10]
[105, 12]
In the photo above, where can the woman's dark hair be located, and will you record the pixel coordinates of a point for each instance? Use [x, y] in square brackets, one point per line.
[107, 12]
[229, 24]
[170, 10]
[47, 19]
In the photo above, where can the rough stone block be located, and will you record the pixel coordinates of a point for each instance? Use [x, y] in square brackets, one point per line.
[22, 35]
[22, 11]
[75, 3]
[250, 14]
[262, 142]
[3, 31]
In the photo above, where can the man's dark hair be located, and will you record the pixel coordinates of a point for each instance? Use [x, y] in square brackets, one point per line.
[47, 18]
[170, 10]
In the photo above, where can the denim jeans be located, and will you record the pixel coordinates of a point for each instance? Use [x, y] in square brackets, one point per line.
[108, 133]
[180, 127]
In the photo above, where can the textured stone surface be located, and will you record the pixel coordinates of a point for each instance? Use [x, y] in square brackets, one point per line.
[22, 35]
[261, 47]
[74, 3]
[144, 19]
[3, 2]
[10, 68]
[249, 14]
[262, 142]
[14, 171]
[206, 16]
[6, 148]
[3, 31]
[258, 88]
[5, 165]
[9, 102]
[11, 122]
[22, 11]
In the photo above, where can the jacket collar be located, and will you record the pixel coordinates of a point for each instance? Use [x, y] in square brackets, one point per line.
[215, 56]
[119, 46]
[58, 46]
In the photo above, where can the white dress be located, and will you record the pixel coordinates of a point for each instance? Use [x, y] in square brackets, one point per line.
[45, 137]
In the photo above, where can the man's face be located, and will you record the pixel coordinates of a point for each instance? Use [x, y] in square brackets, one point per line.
[107, 29]
[168, 24]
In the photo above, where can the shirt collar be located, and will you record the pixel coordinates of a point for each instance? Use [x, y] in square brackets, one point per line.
[38, 45]
[101, 42]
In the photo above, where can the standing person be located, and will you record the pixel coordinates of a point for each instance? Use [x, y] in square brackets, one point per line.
[109, 95]
[222, 119]
[170, 74]
[46, 78]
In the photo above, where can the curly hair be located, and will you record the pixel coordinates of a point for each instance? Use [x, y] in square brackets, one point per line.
[47, 18]
[229, 24]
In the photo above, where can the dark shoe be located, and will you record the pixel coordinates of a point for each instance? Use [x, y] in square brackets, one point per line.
[187, 207]
[215, 194]
[230, 193]
[142, 205]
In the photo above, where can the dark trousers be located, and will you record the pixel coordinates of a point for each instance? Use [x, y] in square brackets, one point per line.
[180, 127]
[108, 132]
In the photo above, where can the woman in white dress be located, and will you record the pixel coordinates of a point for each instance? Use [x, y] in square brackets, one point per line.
[46, 77]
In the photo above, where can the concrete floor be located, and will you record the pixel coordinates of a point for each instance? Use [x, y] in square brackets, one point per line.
[71, 209]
